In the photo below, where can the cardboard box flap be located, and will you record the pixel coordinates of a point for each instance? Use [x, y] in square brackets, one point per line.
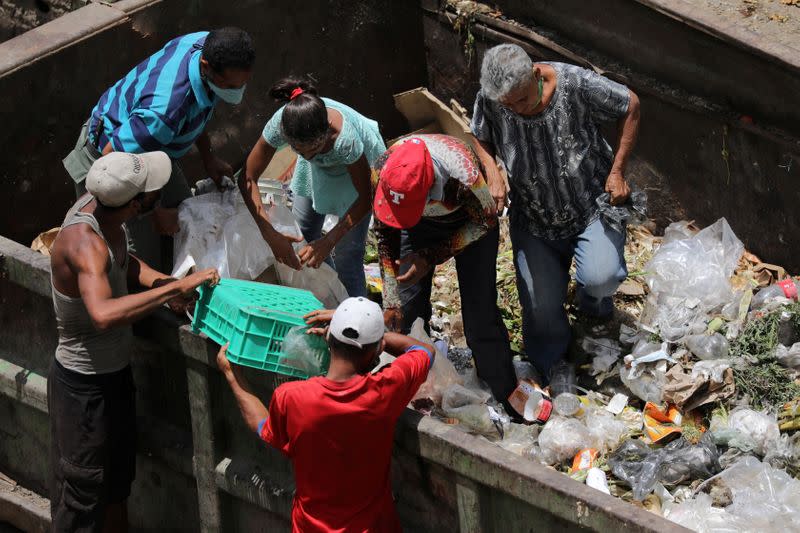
[428, 114]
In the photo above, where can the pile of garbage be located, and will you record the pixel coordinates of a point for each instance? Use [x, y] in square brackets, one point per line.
[690, 409]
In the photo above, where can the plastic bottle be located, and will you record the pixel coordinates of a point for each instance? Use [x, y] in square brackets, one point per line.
[708, 346]
[787, 288]
[567, 404]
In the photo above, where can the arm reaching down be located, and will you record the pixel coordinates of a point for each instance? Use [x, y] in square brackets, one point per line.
[256, 163]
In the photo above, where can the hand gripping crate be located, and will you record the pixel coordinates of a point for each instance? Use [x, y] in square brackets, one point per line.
[254, 318]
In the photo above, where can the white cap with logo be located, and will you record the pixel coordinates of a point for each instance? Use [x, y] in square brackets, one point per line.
[116, 178]
[357, 322]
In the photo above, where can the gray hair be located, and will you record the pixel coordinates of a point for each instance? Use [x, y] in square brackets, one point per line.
[505, 67]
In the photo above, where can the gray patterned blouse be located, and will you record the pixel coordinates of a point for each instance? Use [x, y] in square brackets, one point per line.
[557, 161]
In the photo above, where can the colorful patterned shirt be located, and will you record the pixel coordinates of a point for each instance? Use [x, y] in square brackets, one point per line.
[558, 160]
[459, 187]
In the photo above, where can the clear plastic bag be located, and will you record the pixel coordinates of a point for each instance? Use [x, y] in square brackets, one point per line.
[697, 267]
[519, 439]
[645, 376]
[469, 407]
[788, 356]
[607, 432]
[708, 347]
[442, 374]
[323, 282]
[304, 352]
[761, 428]
[641, 467]
[561, 438]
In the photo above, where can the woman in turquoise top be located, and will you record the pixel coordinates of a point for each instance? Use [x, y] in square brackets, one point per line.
[335, 148]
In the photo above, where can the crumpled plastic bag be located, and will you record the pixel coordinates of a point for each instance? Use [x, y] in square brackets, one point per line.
[708, 347]
[606, 431]
[605, 352]
[700, 515]
[217, 231]
[633, 211]
[304, 352]
[645, 374]
[561, 438]
[697, 267]
[689, 276]
[641, 466]
[469, 407]
[788, 356]
[519, 439]
[765, 499]
[761, 428]
[442, 374]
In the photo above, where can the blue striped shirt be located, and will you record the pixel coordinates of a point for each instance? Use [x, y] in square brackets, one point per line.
[162, 104]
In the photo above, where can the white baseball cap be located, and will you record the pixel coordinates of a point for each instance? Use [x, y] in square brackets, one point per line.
[116, 178]
[357, 322]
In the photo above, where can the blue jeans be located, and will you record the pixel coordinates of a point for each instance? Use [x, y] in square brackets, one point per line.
[542, 279]
[347, 257]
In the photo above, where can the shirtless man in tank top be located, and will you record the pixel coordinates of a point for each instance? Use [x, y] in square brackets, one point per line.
[91, 397]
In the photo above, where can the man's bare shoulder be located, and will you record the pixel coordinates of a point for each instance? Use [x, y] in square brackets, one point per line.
[80, 246]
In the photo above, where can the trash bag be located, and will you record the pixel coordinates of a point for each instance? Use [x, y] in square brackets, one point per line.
[633, 211]
[561, 438]
[217, 231]
[761, 428]
[641, 467]
[520, 439]
[788, 356]
[708, 347]
[764, 499]
[645, 375]
[442, 374]
[697, 267]
[607, 432]
[323, 282]
[306, 353]
[469, 407]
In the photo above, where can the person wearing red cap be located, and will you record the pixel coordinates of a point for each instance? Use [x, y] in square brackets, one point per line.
[432, 203]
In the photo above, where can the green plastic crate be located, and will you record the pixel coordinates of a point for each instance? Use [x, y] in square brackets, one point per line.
[254, 318]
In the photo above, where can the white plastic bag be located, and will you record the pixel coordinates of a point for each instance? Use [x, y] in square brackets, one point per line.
[217, 231]
[788, 356]
[760, 427]
[323, 282]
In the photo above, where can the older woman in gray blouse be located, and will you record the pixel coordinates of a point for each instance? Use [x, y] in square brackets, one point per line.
[543, 121]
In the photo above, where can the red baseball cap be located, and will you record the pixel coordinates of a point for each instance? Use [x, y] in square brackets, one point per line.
[405, 180]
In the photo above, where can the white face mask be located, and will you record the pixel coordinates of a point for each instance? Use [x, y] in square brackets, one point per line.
[231, 96]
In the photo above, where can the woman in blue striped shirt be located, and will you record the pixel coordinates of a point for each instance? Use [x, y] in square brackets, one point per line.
[335, 147]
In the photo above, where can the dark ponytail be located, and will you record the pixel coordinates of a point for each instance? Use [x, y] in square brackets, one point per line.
[305, 117]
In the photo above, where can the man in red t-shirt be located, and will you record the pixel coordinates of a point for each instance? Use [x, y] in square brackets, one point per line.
[338, 429]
